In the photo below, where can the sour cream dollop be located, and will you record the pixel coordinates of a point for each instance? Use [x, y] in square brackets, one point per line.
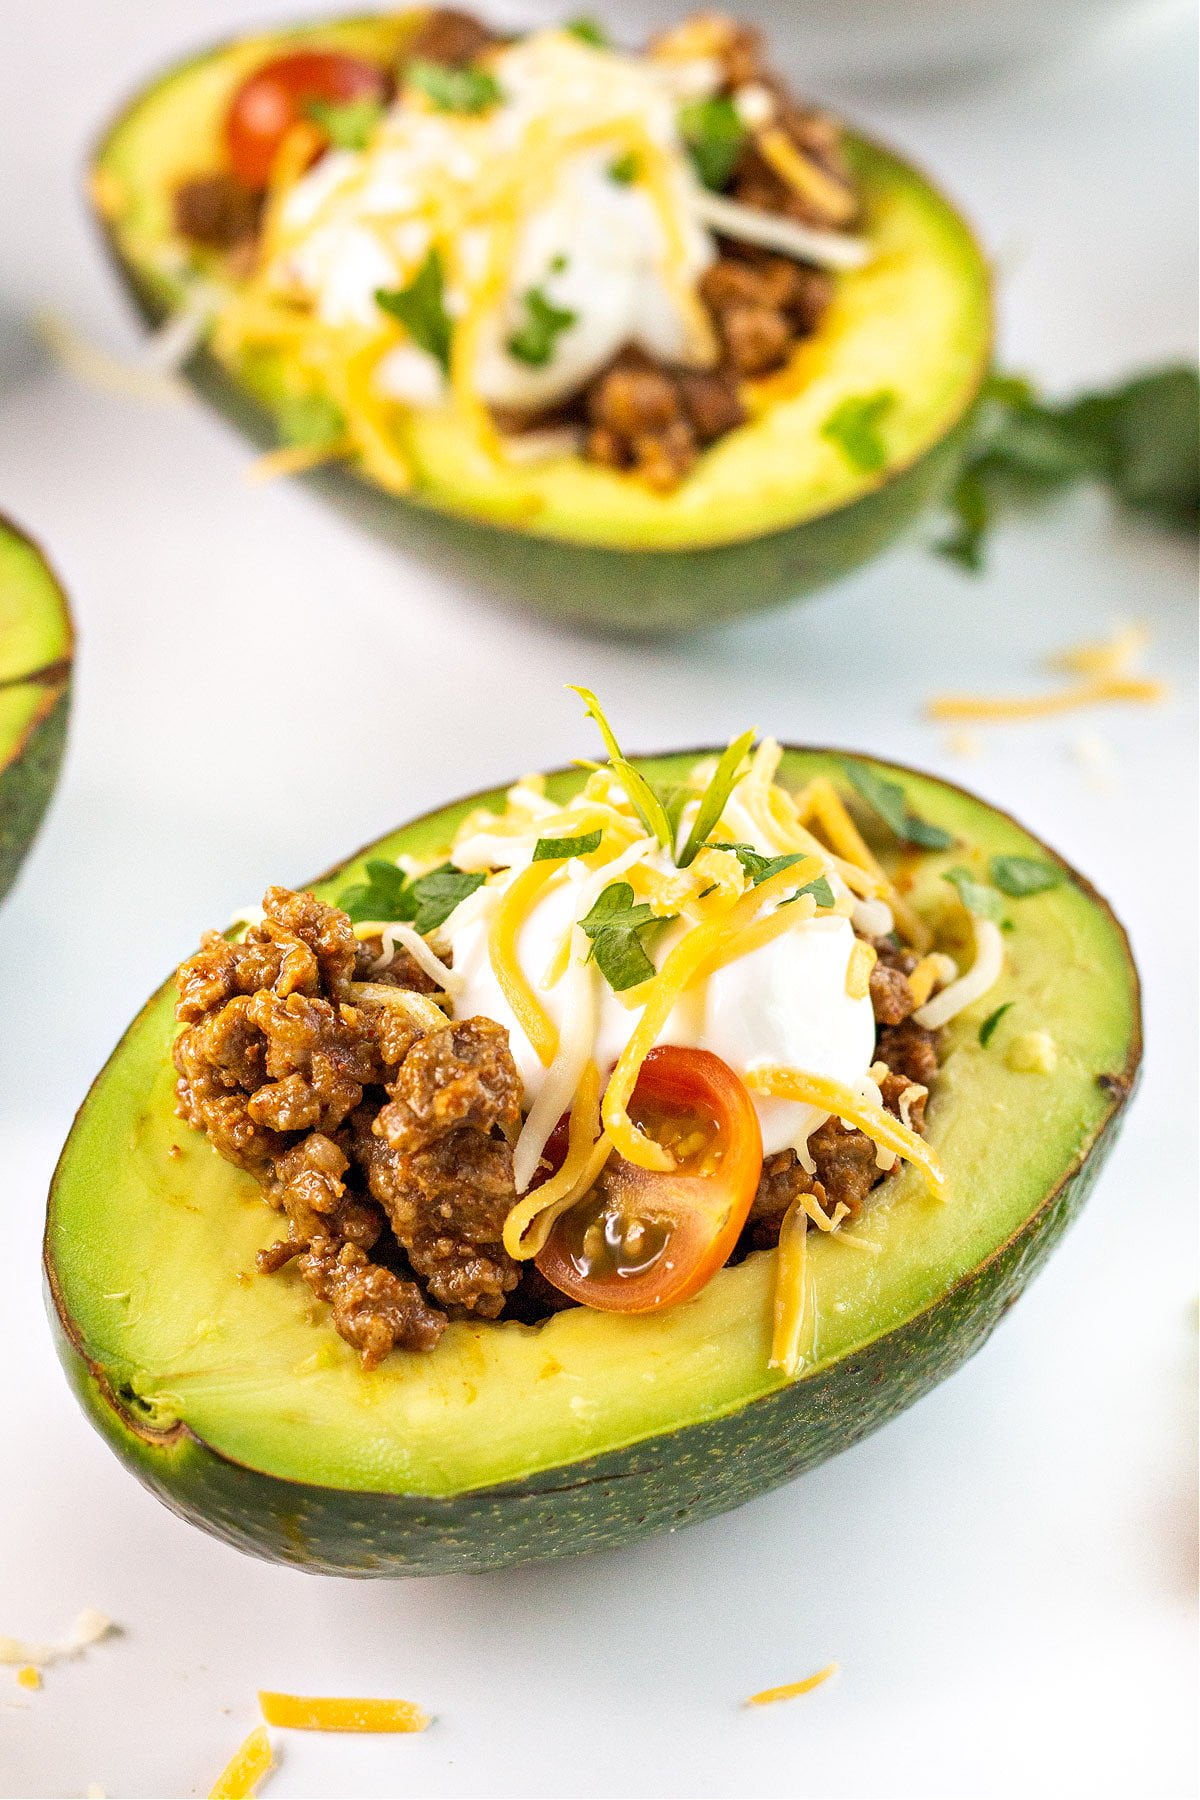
[785, 1002]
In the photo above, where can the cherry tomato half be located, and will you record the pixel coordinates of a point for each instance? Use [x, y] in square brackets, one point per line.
[274, 98]
[645, 1239]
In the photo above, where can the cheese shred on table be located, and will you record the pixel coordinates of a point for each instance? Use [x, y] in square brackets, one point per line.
[790, 1690]
[240, 1777]
[333, 1712]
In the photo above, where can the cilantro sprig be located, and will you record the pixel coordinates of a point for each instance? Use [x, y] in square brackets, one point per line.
[423, 901]
[854, 427]
[448, 88]
[347, 124]
[534, 340]
[715, 795]
[558, 849]
[1140, 439]
[888, 799]
[1020, 876]
[761, 868]
[421, 308]
[713, 133]
[988, 1029]
[979, 897]
[617, 927]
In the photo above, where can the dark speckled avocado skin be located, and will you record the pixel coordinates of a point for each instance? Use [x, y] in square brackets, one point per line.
[658, 1485]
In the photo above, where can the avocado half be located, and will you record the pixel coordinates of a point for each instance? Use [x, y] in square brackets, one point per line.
[229, 1395]
[773, 511]
[36, 645]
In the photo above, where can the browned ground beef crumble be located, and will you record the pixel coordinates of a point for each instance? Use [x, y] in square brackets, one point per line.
[388, 1148]
[647, 417]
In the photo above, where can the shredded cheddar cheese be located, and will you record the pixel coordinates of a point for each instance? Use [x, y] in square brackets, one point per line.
[309, 1712]
[791, 1689]
[863, 958]
[832, 1097]
[240, 1777]
[517, 902]
[29, 1678]
[1096, 692]
[791, 1307]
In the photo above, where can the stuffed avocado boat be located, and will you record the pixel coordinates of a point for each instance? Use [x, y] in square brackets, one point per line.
[609, 302]
[587, 1158]
[36, 644]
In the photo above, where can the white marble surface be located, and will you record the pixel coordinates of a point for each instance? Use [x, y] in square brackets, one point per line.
[1005, 1572]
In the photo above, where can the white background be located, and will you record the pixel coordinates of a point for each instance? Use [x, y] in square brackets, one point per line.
[1004, 1573]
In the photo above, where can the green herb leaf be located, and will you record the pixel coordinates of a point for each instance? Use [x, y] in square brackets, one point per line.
[533, 341]
[349, 124]
[456, 90]
[976, 895]
[421, 308]
[854, 428]
[588, 31]
[558, 849]
[384, 895]
[310, 419]
[988, 1028]
[1019, 876]
[820, 890]
[712, 801]
[624, 169]
[888, 799]
[1141, 439]
[424, 902]
[714, 134]
[617, 927]
[645, 802]
[758, 867]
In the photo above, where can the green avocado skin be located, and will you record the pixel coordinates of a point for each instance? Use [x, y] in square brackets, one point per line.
[625, 593]
[659, 1485]
[26, 785]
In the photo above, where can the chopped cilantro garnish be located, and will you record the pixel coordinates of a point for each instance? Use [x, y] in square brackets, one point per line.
[977, 896]
[988, 1028]
[533, 341]
[712, 801]
[820, 890]
[617, 928]
[1019, 876]
[310, 419]
[624, 169]
[1140, 439]
[558, 849]
[714, 134]
[457, 90]
[645, 802]
[888, 799]
[421, 308]
[349, 124]
[854, 428]
[588, 31]
[758, 867]
[424, 901]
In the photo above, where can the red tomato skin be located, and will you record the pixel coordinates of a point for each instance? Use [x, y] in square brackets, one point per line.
[273, 99]
[710, 1210]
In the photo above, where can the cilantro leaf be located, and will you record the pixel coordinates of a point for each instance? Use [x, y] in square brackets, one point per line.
[888, 799]
[988, 1028]
[533, 341]
[758, 867]
[712, 801]
[854, 428]
[645, 802]
[820, 890]
[558, 849]
[1141, 439]
[310, 419]
[713, 133]
[977, 896]
[1019, 876]
[588, 31]
[425, 901]
[421, 308]
[451, 89]
[624, 169]
[617, 927]
[349, 124]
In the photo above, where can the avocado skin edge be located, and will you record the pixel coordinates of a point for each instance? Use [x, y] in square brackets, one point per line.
[600, 1503]
[30, 772]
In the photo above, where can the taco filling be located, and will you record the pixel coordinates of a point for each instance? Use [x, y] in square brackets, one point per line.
[597, 1051]
[579, 250]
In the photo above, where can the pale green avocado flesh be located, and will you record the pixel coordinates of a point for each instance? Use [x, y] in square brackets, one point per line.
[229, 1393]
[774, 509]
[35, 678]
